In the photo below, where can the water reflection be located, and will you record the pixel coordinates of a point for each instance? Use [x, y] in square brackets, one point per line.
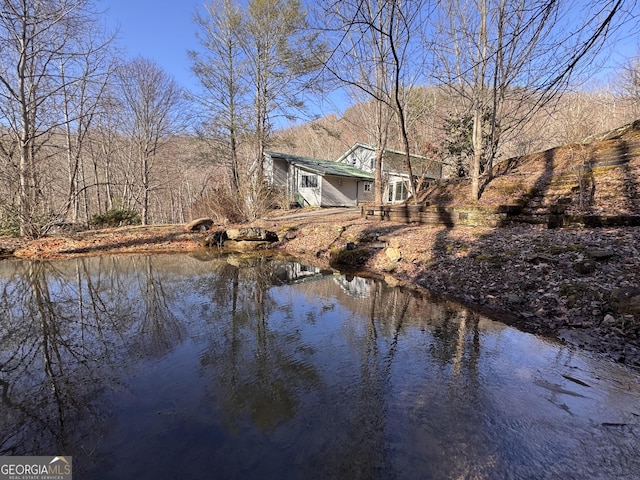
[176, 367]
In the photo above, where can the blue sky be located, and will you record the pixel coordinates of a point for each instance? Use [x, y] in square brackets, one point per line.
[163, 31]
[160, 30]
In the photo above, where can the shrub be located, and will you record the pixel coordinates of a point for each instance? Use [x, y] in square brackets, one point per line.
[227, 206]
[220, 204]
[116, 217]
[9, 224]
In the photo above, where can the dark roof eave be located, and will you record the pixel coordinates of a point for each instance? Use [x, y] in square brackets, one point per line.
[320, 167]
[345, 175]
[324, 173]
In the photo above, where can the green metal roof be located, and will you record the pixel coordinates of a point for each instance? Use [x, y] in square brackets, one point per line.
[323, 167]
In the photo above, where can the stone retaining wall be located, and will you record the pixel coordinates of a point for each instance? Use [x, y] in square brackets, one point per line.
[500, 216]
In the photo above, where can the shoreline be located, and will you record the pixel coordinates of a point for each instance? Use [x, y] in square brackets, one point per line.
[581, 286]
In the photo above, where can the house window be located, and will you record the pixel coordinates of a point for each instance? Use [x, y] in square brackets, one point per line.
[397, 191]
[367, 186]
[309, 181]
[401, 191]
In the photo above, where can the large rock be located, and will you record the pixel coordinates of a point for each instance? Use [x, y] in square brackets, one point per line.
[240, 239]
[393, 254]
[215, 239]
[199, 225]
[251, 234]
[249, 238]
[246, 245]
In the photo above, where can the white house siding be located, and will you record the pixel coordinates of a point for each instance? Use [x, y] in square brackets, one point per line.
[365, 196]
[311, 195]
[362, 158]
[313, 182]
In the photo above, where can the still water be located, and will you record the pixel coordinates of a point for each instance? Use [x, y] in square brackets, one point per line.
[178, 367]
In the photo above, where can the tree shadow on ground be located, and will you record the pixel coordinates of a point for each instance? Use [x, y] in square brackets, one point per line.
[128, 241]
[534, 195]
[504, 168]
[630, 178]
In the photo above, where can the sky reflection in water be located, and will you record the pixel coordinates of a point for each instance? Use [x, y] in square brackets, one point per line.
[173, 366]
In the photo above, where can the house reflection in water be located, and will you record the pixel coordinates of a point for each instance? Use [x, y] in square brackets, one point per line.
[294, 272]
[357, 287]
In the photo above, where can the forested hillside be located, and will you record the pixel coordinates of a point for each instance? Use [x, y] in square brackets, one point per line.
[599, 177]
[575, 118]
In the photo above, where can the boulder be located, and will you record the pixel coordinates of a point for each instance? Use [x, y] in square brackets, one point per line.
[199, 225]
[214, 239]
[251, 234]
[393, 254]
[246, 245]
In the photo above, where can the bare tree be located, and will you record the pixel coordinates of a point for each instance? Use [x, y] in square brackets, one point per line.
[629, 84]
[509, 58]
[374, 53]
[256, 65]
[282, 55]
[103, 149]
[221, 69]
[359, 62]
[151, 101]
[86, 79]
[36, 39]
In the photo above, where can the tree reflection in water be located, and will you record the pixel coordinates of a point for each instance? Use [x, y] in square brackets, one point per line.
[66, 332]
[171, 366]
[261, 368]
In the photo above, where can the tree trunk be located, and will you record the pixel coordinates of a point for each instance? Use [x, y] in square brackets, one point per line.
[145, 187]
[477, 154]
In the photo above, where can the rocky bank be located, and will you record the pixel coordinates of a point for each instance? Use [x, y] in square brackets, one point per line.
[580, 285]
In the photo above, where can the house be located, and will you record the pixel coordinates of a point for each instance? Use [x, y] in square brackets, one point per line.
[319, 183]
[363, 157]
[349, 180]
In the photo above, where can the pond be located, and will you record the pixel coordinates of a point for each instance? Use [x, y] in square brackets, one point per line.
[176, 366]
